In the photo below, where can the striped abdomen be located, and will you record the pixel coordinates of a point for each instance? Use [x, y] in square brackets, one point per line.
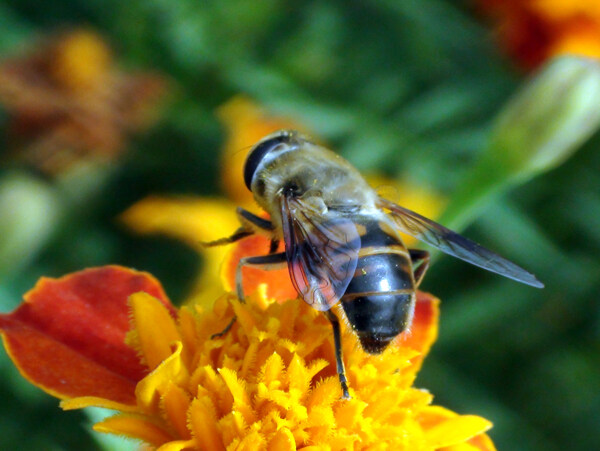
[379, 301]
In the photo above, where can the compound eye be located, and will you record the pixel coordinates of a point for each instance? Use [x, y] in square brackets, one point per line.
[257, 154]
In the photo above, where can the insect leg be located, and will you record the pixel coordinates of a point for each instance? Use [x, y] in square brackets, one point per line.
[237, 235]
[273, 246]
[224, 331]
[267, 262]
[271, 261]
[251, 221]
[420, 262]
[337, 341]
[250, 225]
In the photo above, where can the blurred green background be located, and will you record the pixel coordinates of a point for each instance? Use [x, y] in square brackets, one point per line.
[405, 89]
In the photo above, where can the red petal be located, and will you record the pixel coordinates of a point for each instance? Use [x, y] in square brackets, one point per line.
[424, 328]
[68, 337]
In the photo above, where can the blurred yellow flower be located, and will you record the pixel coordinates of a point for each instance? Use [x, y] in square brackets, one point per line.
[191, 220]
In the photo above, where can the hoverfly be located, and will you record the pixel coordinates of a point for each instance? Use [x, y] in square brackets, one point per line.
[341, 240]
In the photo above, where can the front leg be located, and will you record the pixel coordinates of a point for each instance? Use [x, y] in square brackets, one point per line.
[250, 224]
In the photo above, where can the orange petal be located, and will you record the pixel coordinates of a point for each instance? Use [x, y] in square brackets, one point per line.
[91, 401]
[68, 338]
[482, 442]
[424, 329]
[579, 37]
[203, 422]
[178, 445]
[176, 403]
[134, 426]
[279, 285]
[150, 389]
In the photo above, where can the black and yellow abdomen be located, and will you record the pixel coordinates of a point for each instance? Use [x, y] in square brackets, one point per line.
[379, 301]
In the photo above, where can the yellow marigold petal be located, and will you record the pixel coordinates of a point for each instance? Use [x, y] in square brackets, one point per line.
[203, 423]
[456, 430]
[321, 416]
[175, 404]
[178, 445]
[92, 401]
[283, 440]
[191, 220]
[249, 361]
[298, 377]
[237, 388]
[244, 317]
[154, 385]
[272, 370]
[187, 329]
[349, 414]
[149, 315]
[325, 393]
[134, 426]
[251, 442]
[232, 426]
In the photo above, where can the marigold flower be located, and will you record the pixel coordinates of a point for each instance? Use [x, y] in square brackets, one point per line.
[109, 337]
[68, 103]
[534, 31]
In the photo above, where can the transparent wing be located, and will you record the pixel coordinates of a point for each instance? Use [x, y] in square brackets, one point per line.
[452, 243]
[322, 252]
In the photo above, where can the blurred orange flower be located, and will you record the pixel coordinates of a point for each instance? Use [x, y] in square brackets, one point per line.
[533, 31]
[67, 102]
[109, 337]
